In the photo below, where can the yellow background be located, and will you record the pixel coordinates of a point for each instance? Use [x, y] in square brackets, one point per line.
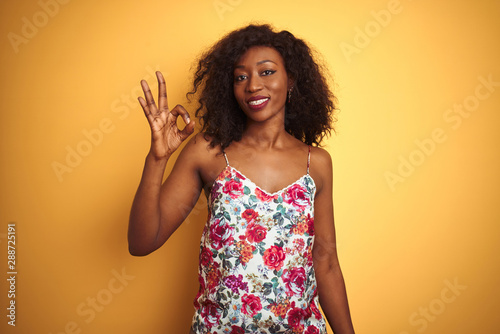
[400, 244]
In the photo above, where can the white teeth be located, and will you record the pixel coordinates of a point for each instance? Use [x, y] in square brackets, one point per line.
[257, 102]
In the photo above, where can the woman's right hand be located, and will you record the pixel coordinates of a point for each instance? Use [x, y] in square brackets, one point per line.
[166, 137]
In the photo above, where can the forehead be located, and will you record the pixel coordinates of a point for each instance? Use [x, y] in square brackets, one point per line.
[257, 54]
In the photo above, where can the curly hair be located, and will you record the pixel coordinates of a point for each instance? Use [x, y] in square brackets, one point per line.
[309, 114]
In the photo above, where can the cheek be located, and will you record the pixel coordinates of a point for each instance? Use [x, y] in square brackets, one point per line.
[279, 88]
[280, 85]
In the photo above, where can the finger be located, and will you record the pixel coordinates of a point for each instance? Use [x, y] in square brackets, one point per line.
[180, 111]
[149, 96]
[144, 105]
[187, 131]
[146, 110]
[162, 92]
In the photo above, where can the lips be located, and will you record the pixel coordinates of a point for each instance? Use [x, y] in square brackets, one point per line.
[257, 102]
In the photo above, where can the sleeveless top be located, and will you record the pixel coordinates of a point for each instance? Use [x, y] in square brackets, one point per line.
[256, 270]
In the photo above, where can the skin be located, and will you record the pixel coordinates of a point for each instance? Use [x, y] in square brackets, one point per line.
[159, 209]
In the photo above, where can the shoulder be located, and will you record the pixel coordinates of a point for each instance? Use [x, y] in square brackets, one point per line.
[199, 146]
[196, 152]
[199, 156]
[321, 167]
[320, 158]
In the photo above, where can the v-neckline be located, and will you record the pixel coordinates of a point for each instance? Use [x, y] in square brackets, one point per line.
[272, 194]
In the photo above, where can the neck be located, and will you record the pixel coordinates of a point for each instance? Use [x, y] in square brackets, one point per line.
[265, 135]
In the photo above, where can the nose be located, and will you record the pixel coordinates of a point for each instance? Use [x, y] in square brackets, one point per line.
[254, 83]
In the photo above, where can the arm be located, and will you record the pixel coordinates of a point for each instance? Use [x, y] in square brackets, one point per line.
[157, 210]
[331, 288]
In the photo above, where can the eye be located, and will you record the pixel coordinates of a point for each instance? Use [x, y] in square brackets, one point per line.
[268, 72]
[238, 78]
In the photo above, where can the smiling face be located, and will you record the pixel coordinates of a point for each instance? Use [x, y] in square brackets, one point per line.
[261, 83]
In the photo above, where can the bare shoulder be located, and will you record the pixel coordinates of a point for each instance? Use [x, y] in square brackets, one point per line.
[197, 143]
[199, 155]
[321, 155]
[198, 150]
[321, 168]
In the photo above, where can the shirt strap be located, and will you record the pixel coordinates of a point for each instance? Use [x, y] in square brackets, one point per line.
[308, 159]
[225, 157]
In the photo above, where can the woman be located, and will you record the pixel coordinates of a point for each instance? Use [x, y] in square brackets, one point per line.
[263, 104]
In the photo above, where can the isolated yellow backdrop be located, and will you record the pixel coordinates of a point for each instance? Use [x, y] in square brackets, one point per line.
[416, 158]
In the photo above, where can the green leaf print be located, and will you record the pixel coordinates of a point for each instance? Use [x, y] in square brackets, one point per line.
[268, 288]
[275, 282]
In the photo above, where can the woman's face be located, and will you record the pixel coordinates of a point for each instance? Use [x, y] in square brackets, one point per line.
[261, 83]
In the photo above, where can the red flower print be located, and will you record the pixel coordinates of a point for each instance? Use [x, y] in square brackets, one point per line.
[213, 194]
[233, 189]
[274, 257]
[307, 313]
[295, 315]
[210, 313]
[220, 234]
[315, 310]
[312, 330]
[237, 330]
[206, 257]
[310, 225]
[294, 279]
[296, 195]
[255, 233]
[249, 215]
[200, 292]
[251, 304]
[263, 196]
[239, 175]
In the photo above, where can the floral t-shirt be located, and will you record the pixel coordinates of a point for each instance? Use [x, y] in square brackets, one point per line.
[256, 272]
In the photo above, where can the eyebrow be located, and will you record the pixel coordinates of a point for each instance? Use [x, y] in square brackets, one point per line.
[258, 63]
